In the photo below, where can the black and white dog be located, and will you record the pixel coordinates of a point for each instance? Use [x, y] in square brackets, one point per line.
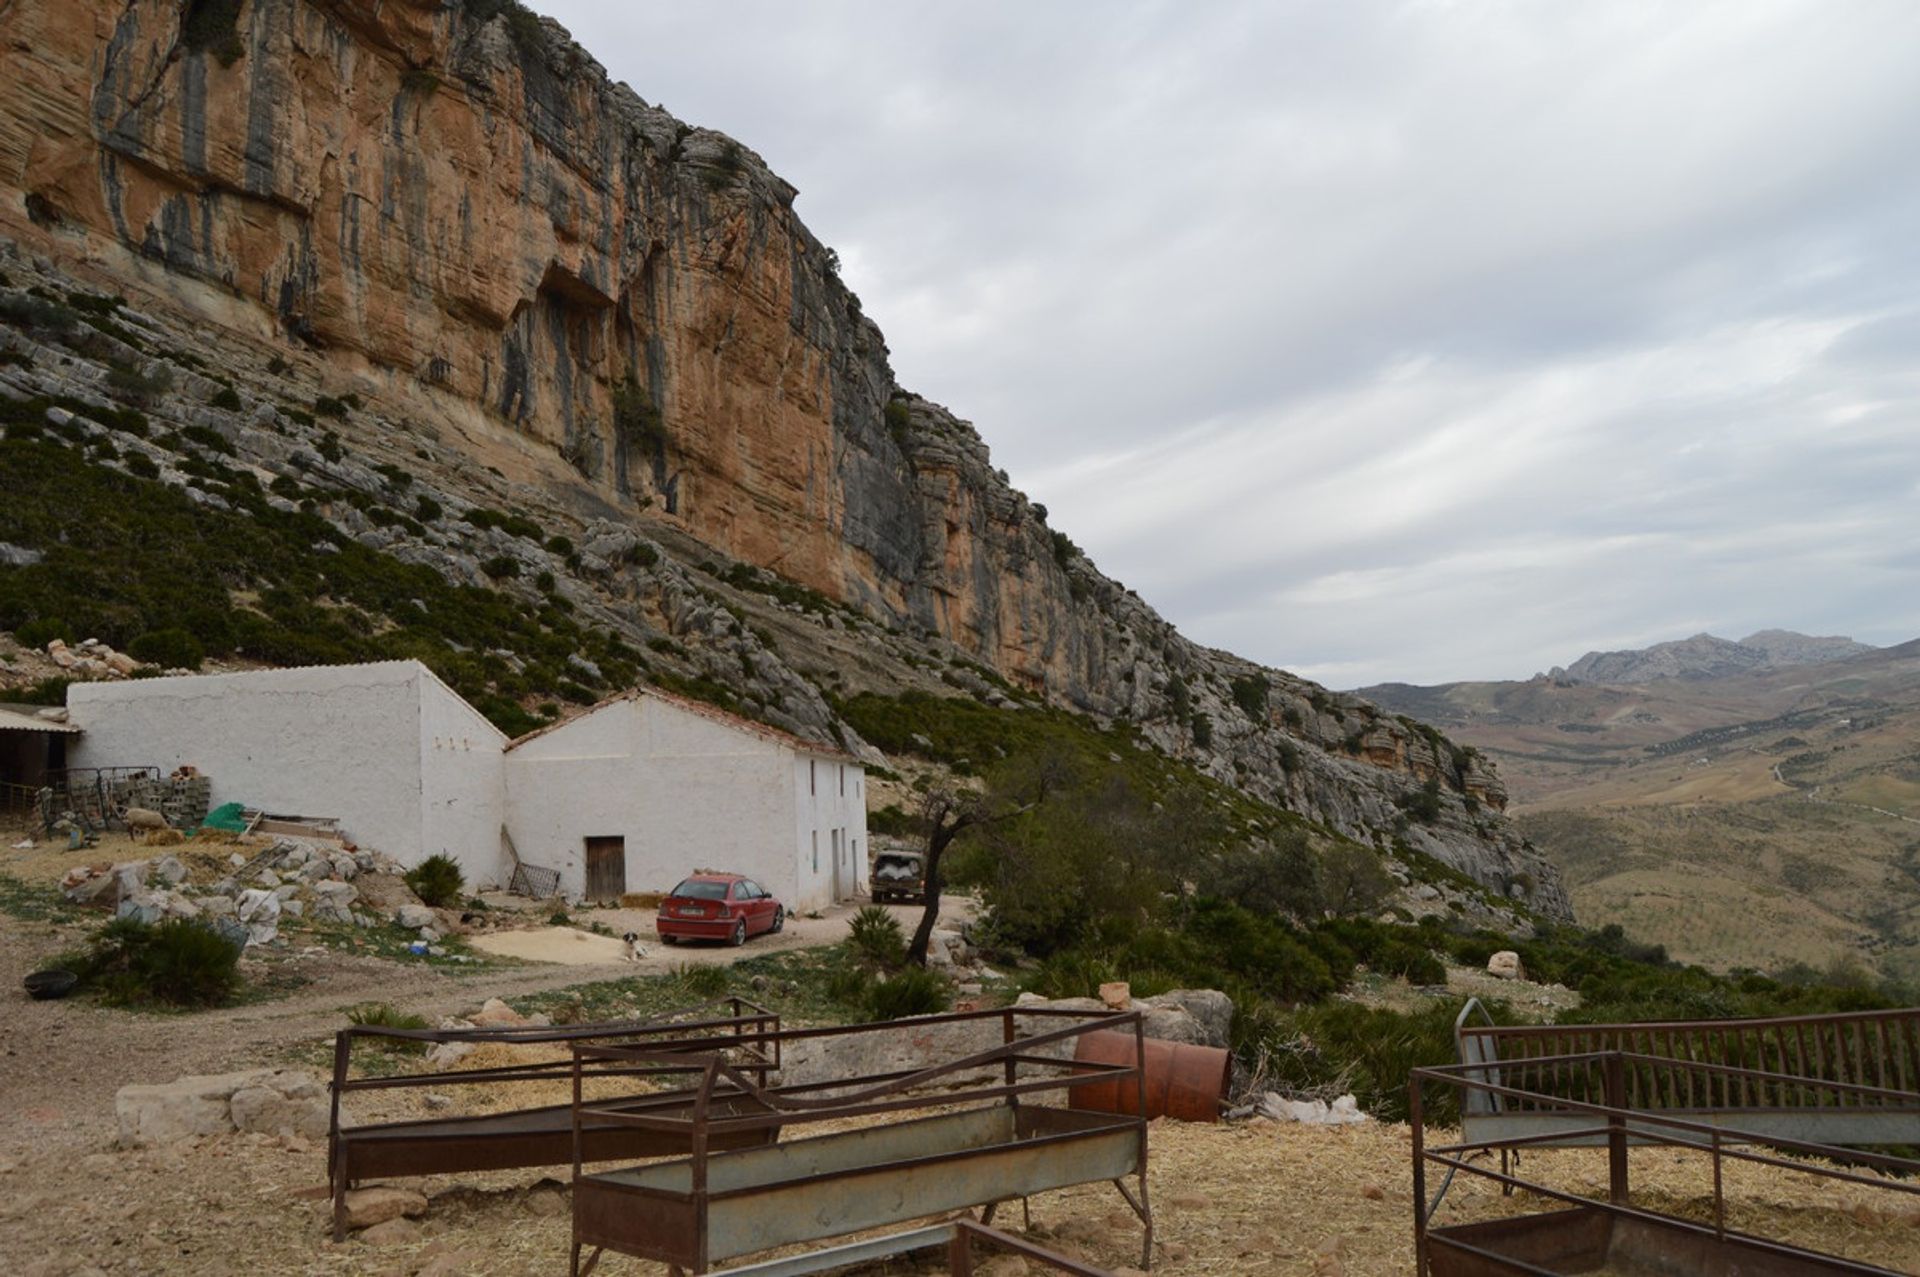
[635, 950]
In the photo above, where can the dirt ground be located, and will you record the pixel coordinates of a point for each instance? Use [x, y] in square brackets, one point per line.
[1260, 1199]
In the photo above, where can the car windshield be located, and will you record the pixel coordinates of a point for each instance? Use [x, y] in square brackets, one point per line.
[695, 889]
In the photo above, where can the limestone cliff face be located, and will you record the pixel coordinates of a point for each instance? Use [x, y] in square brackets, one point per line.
[467, 212]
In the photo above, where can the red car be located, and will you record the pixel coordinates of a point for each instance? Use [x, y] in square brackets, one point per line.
[718, 907]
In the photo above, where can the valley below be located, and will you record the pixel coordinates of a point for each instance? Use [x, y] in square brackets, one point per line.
[1767, 818]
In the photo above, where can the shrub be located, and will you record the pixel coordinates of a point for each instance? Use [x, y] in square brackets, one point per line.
[912, 991]
[141, 466]
[210, 27]
[1250, 694]
[427, 510]
[501, 566]
[176, 963]
[877, 937]
[328, 406]
[329, 445]
[383, 1015]
[850, 984]
[437, 880]
[703, 980]
[171, 648]
[133, 384]
[227, 397]
[41, 631]
[1423, 804]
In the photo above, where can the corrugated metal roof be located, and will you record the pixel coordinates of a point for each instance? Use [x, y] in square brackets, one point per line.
[22, 718]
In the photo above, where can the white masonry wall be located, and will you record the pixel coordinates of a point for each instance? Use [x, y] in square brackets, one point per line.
[830, 814]
[339, 740]
[684, 791]
[462, 784]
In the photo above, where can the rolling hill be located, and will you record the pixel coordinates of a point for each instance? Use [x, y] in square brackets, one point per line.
[1759, 816]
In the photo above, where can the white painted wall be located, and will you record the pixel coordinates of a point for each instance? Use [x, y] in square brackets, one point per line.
[686, 792]
[462, 784]
[338, 740]
[830, 797]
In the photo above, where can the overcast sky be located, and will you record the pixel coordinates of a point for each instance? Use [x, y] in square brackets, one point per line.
[1411, 342]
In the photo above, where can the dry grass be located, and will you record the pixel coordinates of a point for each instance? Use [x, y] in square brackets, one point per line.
[1261, 1200]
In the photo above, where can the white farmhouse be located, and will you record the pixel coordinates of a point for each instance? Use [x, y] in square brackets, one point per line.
[402, 761]
[647, 787]
[630, 796]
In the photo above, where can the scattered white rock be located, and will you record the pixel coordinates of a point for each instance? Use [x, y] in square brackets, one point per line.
[264, 1100]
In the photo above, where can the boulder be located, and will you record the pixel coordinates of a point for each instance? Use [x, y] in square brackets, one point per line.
[169, 870]
[144, 907]
[1117, 994]
[414, 917]
[161, 1113]
[381, 1202]
[1211, 1009]
[1506, 965]
[395, 1232]
[260, 911]
[495, 1014]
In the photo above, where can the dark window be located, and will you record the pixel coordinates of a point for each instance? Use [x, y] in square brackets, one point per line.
[695, 889]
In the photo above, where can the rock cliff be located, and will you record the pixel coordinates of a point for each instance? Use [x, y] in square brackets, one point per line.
[550, 295]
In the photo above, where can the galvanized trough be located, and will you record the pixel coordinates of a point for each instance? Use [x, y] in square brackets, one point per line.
[547, 1135]
[1615, 1235]
[1759, 1076]
[957, 1142]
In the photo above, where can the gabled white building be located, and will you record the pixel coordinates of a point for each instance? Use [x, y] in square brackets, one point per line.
[646, 787]
[630, 796]
[398, 756]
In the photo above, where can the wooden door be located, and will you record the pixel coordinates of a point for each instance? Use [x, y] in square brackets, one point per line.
[606, 868]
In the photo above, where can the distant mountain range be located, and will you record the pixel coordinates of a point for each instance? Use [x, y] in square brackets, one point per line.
[1751, 803]
[1709, 656]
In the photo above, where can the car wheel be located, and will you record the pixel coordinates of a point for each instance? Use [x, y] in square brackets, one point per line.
[739, 936]
[779, 919]
[669, 939]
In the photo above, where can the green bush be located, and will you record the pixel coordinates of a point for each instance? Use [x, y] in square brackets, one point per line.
[911, 991]
[501, 567]
[210, 26]
[703, 980]
[173, 963]
[41, 631]
[129, 382]
[226, 397]
[170, 649]
[1250, 694]
[850, 984]
[437, 880]
[877, 937]
[383, 1015]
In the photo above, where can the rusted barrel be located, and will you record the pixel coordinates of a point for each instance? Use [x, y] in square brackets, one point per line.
[1185, 1082]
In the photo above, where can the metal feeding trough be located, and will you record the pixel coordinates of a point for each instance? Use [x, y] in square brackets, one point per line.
[1799, 1094]
[974, 1143]
[545, 1136]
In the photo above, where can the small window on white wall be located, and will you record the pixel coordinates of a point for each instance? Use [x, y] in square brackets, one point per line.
[813, 780]
[816, 851]
[843, 780]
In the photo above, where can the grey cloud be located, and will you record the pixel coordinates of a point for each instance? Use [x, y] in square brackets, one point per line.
[1419, 340]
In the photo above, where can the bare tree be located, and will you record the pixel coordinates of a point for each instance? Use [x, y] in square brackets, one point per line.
[949, 812]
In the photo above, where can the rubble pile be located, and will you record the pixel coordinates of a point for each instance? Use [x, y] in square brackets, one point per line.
[93, 659]
[291, 878]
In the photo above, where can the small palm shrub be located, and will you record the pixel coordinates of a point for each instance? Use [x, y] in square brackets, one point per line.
[385, 1016]
[437, 880]
[174, 963]
[911, 991]
[849, 984]
[877, 937]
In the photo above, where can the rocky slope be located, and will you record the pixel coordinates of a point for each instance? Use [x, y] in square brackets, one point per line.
[489, 268]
